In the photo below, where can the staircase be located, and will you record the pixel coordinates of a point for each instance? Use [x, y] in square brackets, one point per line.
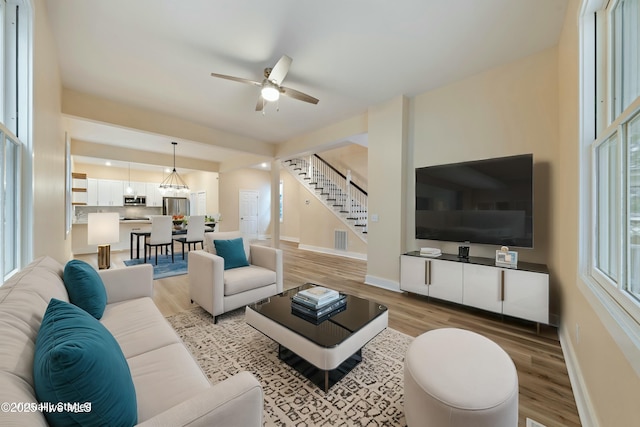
[333, 189]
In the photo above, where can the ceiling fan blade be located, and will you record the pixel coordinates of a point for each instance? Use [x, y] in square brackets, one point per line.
[280, 70]
[237, 79]
[260, 103]
[295, 94]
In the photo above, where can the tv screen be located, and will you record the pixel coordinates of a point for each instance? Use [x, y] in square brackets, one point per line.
[485, 201]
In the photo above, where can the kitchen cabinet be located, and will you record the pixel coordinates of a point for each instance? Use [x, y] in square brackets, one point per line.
[92, 192]
[477, 282]
[138, 188]
[110, 192]
[154, 197]
[107, 192]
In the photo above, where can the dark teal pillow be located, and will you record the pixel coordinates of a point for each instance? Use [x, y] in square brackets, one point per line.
[85, 287]
[233, 253]
[77, 360]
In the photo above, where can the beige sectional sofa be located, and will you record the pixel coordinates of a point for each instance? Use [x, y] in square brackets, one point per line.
[170, 388]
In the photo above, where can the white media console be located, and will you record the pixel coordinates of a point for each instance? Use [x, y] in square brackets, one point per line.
[521, 292]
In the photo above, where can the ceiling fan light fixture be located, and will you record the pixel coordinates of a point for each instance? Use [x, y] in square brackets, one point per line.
[270, 93]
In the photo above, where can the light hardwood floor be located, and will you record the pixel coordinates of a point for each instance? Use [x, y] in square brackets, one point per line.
[545, 390]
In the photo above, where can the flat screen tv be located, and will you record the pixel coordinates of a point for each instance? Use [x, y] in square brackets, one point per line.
[485, 201]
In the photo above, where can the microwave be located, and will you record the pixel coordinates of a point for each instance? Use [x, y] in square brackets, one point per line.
[135, 200]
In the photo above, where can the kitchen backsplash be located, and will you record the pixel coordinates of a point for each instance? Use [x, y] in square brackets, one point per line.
[80, 212]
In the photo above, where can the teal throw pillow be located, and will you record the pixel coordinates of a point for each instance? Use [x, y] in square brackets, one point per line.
[233, 253]
[78, 361]
[85, 287]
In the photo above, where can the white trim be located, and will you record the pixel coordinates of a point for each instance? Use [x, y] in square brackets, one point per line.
[290, 239]
[587, 416]
[330, 251]
[379, 282]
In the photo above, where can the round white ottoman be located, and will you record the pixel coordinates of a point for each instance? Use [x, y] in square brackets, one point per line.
[457, 378]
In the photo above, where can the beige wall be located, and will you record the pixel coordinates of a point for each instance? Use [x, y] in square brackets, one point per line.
[311, 225]
[506, 111]
[207, 182]
[290, 226]
[608, 385]
[351, 157]
[318, 225]
[230, 184]
[387, 191]
[48, 141]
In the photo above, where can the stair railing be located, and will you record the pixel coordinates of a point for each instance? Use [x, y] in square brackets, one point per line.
[337, 187]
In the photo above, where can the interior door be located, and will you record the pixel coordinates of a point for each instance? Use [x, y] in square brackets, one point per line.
[249, 213]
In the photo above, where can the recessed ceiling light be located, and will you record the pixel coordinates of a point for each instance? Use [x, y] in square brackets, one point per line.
[167, 170]
[264, 165]
[107, 163]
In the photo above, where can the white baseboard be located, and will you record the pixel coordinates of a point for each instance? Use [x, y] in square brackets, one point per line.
[583, 402]
[379, 282]
[330, 251]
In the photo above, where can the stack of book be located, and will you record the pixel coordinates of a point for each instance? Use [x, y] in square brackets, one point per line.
[317, 302]
[430, 252]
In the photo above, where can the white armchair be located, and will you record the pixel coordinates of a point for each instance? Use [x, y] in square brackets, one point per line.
[218, 290]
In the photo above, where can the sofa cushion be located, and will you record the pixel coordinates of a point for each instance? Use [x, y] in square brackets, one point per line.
[77, 360]
[164, 378]
[245, 279]
[138, 326]
[85, 287]
[232, 251]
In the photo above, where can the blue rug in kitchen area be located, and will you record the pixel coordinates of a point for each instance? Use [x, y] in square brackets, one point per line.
[165, 267]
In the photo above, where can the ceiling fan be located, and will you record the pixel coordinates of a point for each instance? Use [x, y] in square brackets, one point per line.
[271, 88]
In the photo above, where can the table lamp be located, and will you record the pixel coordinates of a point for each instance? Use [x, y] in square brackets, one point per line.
[103, 229]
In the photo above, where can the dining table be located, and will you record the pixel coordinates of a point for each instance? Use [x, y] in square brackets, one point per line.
[146, 232]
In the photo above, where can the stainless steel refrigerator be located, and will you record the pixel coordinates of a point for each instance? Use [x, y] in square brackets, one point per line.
[175, 206]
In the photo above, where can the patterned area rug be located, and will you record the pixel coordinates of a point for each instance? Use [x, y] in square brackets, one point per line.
[165, 267]
[370, 395]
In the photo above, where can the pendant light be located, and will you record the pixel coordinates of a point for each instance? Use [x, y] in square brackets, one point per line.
[174, 181]
[129, 189]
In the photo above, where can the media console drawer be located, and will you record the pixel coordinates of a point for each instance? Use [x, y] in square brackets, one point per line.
[521, 293]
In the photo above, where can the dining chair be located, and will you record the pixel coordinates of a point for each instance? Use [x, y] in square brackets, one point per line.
[161, 236]
[195, 234]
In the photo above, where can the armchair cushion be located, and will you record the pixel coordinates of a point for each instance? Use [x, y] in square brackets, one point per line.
[232, 251]
[244, 279]
[85, 287]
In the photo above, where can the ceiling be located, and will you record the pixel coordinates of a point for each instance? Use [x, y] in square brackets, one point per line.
[350, 54]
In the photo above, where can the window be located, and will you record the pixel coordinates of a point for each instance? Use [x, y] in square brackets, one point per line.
[15, 42]
[613, 69]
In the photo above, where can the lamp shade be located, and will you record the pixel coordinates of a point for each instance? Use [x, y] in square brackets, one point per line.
[103, 228]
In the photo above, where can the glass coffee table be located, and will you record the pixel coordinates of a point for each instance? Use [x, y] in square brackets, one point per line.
[324, 351]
